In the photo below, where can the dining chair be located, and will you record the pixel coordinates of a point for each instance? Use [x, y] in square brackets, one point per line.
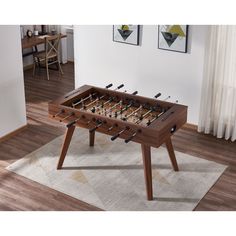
[50, 55]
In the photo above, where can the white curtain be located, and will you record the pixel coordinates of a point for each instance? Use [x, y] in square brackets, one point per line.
[218, 103]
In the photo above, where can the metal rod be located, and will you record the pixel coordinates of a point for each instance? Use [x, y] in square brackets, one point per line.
[118, 103]
[140, 107]
[71, 114]
[132, 136]
[89, 122]
[59, 113]
[119, 87]
[110, 100]
[73, 122]
[166, 98]
[96, 100]
[112, 127]
[83, 99]
[153, 119]
[97, 126]
[90, 95]
[125, 108]
[145, 114]
[118, 134]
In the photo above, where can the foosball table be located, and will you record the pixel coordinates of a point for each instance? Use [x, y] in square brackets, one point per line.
[148, 121]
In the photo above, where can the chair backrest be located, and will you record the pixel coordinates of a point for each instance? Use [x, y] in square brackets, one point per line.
[52, 44]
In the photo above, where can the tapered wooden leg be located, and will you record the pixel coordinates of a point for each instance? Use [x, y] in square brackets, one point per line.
[91, 138]
[172, 154]
[147, 165]
[34, 68]
[65, 146]
[59, 65]
[47, 70]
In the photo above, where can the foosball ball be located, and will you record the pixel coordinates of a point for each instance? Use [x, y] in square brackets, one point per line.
[148, 121]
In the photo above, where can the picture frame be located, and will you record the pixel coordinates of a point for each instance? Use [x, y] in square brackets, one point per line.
[173, 38]
[128, 34]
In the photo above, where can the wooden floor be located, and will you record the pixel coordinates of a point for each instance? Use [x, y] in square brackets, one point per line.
[19, 193]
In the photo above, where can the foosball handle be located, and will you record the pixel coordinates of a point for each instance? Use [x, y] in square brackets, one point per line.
[115, 137]
[129, 139]
[158, 95]
[99, 123]
[132, 136]
[134, 93]
[109, 85]
[70, 124]
[120, 86]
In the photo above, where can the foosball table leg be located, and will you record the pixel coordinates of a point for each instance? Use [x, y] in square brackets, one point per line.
[91, 138]
[147, 165]
[171, 152]
[65, 146]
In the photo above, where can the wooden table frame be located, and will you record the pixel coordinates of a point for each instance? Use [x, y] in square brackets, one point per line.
[158, 133]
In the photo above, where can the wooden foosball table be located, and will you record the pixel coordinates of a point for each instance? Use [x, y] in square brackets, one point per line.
[148, 121]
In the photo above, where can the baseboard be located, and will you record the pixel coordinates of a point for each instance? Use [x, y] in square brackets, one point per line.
[13, 133]
[190, 126]
[28, 67]
[71, 62]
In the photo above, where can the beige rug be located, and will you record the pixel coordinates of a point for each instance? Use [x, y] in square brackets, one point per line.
[110, 174]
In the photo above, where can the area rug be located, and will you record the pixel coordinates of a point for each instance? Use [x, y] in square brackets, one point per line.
[110, 174]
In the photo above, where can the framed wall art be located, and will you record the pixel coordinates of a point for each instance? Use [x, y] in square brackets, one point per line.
[126, 34]
[173, 37]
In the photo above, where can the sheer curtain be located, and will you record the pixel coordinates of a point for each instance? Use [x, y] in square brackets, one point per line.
[218, 102]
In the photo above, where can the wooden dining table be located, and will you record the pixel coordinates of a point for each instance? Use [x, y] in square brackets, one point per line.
[33, 42]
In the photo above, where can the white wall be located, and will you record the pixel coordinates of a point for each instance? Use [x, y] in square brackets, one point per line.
[12, 96]
[99, 61]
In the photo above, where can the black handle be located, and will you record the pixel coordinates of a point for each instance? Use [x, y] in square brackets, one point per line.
[115, 136]
[71, 123]
[133, 135]
[59, 113]
[109, 85]
[158, 95]
[130, 138]
[97, 126]
[134, 93]
[120, 86]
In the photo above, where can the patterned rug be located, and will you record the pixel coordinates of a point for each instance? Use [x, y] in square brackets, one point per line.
[110, 174]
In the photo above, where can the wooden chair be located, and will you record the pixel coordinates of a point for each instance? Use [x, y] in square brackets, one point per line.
[50, 55]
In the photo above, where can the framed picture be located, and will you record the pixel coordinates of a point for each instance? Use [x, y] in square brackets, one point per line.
[126, 34]
[173, 37]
